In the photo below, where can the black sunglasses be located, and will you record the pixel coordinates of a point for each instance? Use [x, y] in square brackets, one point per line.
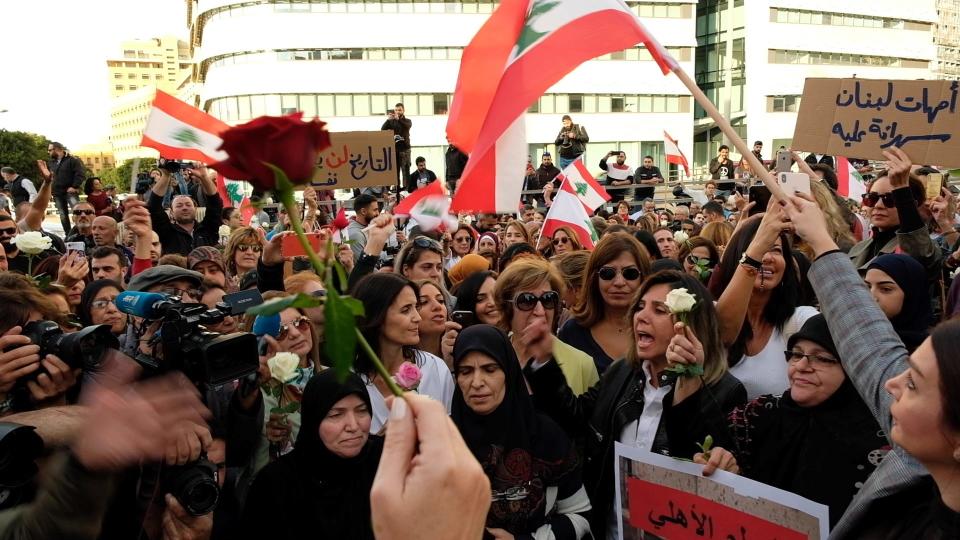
[83, 212]
[870, 199]
[694, 260]
[427, 243]
[527, 301]
[561, 240]
[631, 273]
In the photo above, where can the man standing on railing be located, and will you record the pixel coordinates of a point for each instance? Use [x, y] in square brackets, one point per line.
[571, 141]
[68, 176]
[722, 169]
[618, 174]
[647, 176]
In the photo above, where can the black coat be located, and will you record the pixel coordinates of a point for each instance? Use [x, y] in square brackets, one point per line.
[68, 174]
[825, 160]
[400, 128]
[600, 414]
[174, 238]
[456, 162]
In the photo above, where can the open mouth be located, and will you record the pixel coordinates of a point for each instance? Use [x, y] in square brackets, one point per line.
[644, 339]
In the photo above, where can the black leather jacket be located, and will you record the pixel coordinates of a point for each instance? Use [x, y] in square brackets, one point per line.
[599, 415]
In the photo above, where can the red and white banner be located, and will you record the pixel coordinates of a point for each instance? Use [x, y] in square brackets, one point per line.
[430, 207]
[568, 211]
[674, 155]
[523, 49]
[577, 180]
[180, 131]
[849, 182]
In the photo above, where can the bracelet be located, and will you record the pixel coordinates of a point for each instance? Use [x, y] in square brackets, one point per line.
[750, 262]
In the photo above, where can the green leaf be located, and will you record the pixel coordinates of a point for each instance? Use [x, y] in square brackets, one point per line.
[289, 408]
[355, 305]
[707, 444]
[283, 182]
[340, 343]
[276, 305]
[686, 370]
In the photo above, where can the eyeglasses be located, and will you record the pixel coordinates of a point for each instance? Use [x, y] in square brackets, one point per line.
[11, 230]
[101, 304]
[608, 273]
[815, 361]
[83, 212]
[696, 261]
[173, 291]
[243, 248]
[462, 239]
[561, 240]
[870, 199]
[301, 324]
[527, 301]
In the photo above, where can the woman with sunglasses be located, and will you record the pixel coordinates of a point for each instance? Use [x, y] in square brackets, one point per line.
[636, 401]
[894, 202]
[97, 306]
[461, 244]
[698, 257]
[599, 326]
[528, 297]
[242, 252]
[914, 493]
[420, 258]
[565, 240]
[391, 325]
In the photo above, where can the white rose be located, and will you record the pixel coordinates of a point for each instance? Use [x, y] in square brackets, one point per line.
[283, 366]
[680, 237]
[680, 301]
[664, 223]
[224, 230]
[32, 243]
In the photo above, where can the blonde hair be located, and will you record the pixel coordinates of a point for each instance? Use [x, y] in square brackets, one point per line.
[571, 265]
[246, 325]
[833, 216]
[718, 232]
[524, 274]
[294, 284]
[520, 227]
[238, 237]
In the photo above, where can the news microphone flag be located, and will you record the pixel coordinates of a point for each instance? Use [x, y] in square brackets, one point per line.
[674, 155]
[521, 51]
[568, 211]
[577, 180]
[849, 182]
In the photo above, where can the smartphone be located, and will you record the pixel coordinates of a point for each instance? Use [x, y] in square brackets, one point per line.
[784, 161]
[77, 246]
[463, 318]
[291, 247]
[759, 194]
[794, 182]
[934, 184]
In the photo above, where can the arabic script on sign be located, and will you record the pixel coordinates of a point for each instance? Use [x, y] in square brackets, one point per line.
[357, 159]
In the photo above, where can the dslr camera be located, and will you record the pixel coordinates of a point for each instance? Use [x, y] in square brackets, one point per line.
[173, 166]
[83, 349]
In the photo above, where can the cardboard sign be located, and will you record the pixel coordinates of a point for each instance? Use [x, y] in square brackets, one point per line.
[660, 497]
[861, 117]
[357, 159]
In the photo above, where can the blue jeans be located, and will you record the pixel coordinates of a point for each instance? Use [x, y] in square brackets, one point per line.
[565, 161]
[65, 202]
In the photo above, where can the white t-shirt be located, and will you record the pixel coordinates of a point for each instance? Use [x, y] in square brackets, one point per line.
[766, 372]
[435, 382]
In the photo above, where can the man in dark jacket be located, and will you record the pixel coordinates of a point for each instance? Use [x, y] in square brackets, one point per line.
[571, 141]
[184, 233]
[456, 162]
[21, 188]
[68, 177]
[547, 171]
[400, 126]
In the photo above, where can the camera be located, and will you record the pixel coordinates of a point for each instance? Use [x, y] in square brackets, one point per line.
[83, 349]
[206, 358]
[194, 485]
[20, 446]
[173, 166]
[144, 183]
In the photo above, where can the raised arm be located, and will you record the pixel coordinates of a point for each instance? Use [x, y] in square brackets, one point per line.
[38, 208]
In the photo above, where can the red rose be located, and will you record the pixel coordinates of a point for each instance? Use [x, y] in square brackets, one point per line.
[286, 142]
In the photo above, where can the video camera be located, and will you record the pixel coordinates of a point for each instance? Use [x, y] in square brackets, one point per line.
[206, 358]
[173, 166]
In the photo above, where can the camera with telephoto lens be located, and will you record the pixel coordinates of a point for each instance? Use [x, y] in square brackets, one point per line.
[83, 349]
[173, 166]
[194, 485]
[206, 358]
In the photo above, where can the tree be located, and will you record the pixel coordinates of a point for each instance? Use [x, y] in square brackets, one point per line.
[120, 176]
[21, 150]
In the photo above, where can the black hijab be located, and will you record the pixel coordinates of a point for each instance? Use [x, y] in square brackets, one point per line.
[311, 492]
[913, 322]
[824, 452]
[520, 450]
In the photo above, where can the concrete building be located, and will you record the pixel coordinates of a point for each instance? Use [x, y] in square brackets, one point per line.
[947, 38]
[96, 157]
[753, 57]
[349, 61]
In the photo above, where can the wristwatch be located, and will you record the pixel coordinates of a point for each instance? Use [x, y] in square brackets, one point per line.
[750, 263]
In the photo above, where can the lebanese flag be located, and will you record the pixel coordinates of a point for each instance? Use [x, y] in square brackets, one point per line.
[849, 182]
[524, 48]
[578, 181]
[180, 131]
[674, 155]
[568, 211]
[429, 207]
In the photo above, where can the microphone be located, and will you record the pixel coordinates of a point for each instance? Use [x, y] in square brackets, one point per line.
[266, 325]
[142, 304]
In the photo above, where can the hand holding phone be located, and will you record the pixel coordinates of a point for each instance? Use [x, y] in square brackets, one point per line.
[784, 161]
[934, 183]
[291, 247]
[463, 318]
[794, 183]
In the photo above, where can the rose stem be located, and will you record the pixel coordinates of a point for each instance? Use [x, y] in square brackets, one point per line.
[387, 378]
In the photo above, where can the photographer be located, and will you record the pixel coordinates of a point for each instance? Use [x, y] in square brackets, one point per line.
[400, 126]
[184, 232]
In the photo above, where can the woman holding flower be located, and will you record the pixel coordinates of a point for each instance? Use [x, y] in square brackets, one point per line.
[638, 400]
[699, 256]
[391, 325]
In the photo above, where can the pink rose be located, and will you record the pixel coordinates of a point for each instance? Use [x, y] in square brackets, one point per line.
[408, 376]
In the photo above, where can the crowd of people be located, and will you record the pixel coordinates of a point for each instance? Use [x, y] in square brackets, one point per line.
[814, 357]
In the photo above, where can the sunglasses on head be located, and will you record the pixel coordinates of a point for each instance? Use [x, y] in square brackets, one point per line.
[870, 199]
[608, 273]
[527, 301]
[426, 243]
[694, 260]
[301, 323]
[256, 248]
[83, 212]
[561, 240]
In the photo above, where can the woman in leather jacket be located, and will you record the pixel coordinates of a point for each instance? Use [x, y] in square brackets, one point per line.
[636, 397]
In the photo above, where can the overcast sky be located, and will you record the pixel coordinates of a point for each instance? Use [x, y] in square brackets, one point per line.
[53, 55]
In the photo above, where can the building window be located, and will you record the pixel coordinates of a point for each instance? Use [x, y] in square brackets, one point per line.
[801, 16]
[575, 103]
[783, 103]
[440, 104]
[778, 56]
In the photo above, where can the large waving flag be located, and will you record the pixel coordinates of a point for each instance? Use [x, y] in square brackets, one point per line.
[568, 211]
[849, 182]
[674, 155]
[522, 50]
[429, 207]
[180, 131]
[576, 179]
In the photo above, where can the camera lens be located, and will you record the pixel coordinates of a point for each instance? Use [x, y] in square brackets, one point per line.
[195, 486]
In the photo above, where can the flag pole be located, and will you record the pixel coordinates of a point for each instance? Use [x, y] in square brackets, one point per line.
[727, 130]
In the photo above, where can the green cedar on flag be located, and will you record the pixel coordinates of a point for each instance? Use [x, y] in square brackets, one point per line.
[524, 48]
[568, 211]
[577, 180]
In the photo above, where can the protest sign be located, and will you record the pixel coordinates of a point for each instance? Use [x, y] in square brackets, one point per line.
[861, 117]
[661, 497]
[357, 159]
